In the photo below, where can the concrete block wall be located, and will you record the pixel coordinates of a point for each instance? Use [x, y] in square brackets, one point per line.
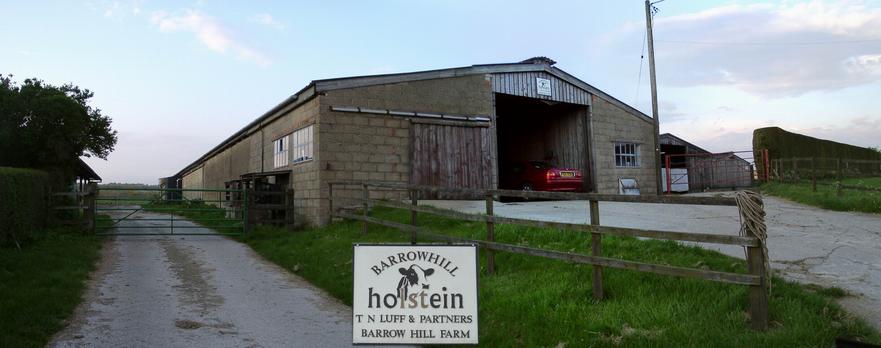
[361, 147]
[356, 146]
[304, 175]
[227, 165]
[192, 180]
[610, 124]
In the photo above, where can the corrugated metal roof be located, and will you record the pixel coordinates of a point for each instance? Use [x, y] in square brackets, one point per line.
[534, 65]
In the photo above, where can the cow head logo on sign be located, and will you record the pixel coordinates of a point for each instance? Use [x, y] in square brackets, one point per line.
[413, 276]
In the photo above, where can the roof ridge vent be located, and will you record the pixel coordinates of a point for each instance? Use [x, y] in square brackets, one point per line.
[539, 60]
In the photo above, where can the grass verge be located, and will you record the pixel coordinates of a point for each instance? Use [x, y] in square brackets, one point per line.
[532, 301]
[826, 196]
[41, 284]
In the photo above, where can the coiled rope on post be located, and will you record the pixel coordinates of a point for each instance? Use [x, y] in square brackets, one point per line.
[752, 224]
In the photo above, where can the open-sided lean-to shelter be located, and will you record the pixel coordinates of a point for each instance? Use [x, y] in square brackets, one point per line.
[456, 127]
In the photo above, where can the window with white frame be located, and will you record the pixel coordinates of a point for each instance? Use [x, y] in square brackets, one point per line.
[302, 141]
[280, 151]
[626, 155]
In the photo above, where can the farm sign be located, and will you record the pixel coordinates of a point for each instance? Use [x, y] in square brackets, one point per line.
[417, 294]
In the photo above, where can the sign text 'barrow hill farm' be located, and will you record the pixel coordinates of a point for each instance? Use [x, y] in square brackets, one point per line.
[415, 294]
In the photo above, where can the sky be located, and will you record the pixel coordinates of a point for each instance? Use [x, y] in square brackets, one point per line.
[179, 77]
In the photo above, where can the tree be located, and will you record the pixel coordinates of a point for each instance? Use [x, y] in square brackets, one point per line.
[50, 127]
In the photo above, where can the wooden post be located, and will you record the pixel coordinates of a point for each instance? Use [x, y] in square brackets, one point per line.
[89, 201]
[490, 234]
[413, 202]
[758, 294]
[366, 196]
[329, 203]
[596, 248]
[756, 262]
[813, 175]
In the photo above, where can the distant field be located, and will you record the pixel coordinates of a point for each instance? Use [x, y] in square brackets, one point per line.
[826, 196]
[106, 194]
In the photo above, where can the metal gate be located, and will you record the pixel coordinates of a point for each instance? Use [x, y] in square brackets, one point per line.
[149, 211]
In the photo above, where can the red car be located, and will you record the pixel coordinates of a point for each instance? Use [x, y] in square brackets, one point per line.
[541, 176]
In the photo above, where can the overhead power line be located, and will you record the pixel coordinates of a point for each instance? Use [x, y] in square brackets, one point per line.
[641, 62]
[769, 43]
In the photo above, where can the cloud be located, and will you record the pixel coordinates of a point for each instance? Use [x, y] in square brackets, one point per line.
[209, 32]
[860, 131]
[116, 10]
[267, 20]
[771, 50]
[670, 112]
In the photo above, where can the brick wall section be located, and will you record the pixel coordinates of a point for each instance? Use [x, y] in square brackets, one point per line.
[376, 147]
[609, 124]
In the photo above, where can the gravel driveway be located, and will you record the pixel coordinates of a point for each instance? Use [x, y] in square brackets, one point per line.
[199, 291]
[806, 244]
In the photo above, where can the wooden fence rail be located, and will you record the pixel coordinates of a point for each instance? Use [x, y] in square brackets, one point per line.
[756, 258]
[798, 169]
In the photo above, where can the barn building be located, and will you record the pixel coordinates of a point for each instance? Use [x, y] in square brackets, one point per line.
[456, 127]
[704, 170]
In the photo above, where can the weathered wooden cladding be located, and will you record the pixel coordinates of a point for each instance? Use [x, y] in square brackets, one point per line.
[451, 156]
[524, 84]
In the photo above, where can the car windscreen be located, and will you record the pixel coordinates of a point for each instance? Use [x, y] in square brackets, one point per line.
[540, 164]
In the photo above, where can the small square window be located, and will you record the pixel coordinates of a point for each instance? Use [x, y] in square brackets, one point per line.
[626, 155]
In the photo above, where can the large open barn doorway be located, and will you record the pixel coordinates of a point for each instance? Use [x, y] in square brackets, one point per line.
[534, 130]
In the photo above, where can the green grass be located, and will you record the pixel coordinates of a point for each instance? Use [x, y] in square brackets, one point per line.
[532, 301]
[41, 284]
[826, 196]
[206, 215]
[538, 302]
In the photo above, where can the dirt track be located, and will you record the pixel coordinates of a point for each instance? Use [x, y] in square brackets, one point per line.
[805, 244]
[199, 291]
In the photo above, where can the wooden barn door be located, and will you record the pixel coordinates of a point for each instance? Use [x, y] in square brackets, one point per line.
[456, 156]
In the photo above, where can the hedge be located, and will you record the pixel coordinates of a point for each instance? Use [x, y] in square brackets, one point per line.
[784, 145]
[23, 201]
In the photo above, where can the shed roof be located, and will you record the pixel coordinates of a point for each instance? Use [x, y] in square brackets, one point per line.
[536, 64]
[695, 147]
[83, 171]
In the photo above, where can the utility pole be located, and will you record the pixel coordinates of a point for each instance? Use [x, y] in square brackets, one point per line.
[651, 48]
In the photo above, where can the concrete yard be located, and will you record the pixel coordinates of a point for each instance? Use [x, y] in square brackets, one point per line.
[199, 291]
[806, 244]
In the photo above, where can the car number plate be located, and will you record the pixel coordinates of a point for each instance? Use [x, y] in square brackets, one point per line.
[567, 174]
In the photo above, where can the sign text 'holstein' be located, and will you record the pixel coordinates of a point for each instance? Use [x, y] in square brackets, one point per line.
[415, 294]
